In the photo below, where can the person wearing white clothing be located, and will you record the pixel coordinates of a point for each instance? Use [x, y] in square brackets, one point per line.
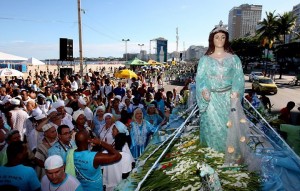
[4, 96]
[114, 173]
[87, 111]
[74, 85]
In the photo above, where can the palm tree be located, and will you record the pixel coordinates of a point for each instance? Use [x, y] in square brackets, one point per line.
[267, 33]
[286, 24]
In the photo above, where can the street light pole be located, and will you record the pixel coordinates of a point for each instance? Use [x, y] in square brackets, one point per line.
[126, 40]
[141, 45]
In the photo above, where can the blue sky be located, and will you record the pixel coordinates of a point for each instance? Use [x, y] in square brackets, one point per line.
[32, 28]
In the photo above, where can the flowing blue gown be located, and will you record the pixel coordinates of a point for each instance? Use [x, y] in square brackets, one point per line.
[220, 78]
[139, 135]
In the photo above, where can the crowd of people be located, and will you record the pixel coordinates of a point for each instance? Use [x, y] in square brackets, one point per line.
[77, 132]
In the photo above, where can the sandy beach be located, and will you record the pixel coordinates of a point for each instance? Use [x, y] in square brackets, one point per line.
[76, 69]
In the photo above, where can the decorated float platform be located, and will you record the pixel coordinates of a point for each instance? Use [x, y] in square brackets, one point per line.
[175, 160]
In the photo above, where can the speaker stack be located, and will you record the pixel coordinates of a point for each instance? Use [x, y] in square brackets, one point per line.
[66, 49]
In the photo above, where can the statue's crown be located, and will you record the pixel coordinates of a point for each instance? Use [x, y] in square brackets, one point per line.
[220, 27]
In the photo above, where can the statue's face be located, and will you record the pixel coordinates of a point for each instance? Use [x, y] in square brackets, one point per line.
[219, 40]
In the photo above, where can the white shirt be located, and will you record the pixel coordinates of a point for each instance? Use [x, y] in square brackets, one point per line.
[74, 86]
[4, 99]
[106, 134]
[70, 183]
[112, 174]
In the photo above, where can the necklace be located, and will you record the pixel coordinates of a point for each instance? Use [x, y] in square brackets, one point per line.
[56, 188]
[105, 132]
[66, 147]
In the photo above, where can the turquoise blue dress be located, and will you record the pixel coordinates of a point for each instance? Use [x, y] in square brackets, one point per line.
[220, 78]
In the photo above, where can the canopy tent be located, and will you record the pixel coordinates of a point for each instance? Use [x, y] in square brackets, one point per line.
[153, 62]
[136, 62]
[10, 57]
[34, 62]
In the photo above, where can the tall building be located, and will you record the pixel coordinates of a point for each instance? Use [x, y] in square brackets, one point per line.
[243, 20]
[161, 49]
[296, 13]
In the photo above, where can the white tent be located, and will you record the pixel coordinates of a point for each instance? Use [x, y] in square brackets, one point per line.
[34, 62]
[10, 57]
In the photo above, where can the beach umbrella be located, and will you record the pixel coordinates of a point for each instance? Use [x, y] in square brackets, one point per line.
[10, 72]
[125, 74]
[153, 62]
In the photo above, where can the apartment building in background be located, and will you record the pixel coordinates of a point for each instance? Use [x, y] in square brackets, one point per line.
[243, 20]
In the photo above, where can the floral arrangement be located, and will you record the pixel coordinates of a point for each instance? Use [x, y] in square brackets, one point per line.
[190, 166]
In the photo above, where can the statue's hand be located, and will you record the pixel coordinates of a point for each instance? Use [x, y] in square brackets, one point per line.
[234, 95]
[206, 95]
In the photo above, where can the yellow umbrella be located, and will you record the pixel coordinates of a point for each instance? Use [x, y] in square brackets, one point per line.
[125, 74]
[153, 62]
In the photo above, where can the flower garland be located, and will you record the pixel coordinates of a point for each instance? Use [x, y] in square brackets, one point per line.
[181, 167]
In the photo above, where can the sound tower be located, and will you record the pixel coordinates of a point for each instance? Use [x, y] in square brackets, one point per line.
[65, 49]
[65, 71]
[70, 50]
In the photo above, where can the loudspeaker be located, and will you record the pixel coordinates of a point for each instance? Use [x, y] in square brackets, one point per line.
[63, 45]
[65, 49]
[70, 50]
[65, 71]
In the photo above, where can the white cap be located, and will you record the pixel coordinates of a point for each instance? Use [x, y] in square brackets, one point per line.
[58, 104]
[53, 162]
[51, 110]
[101, 107]
[77, 113]
[81, 100]
[107, 114]
[36, 112]
[39, 117]
[118, 97]
[69, 110]
[47, 126]
[15, 101]
[41, 95]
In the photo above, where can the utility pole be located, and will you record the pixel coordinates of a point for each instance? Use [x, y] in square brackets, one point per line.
[183, 55]
[141, 46]
[177, 38]
[80, 39]
[126, 40]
